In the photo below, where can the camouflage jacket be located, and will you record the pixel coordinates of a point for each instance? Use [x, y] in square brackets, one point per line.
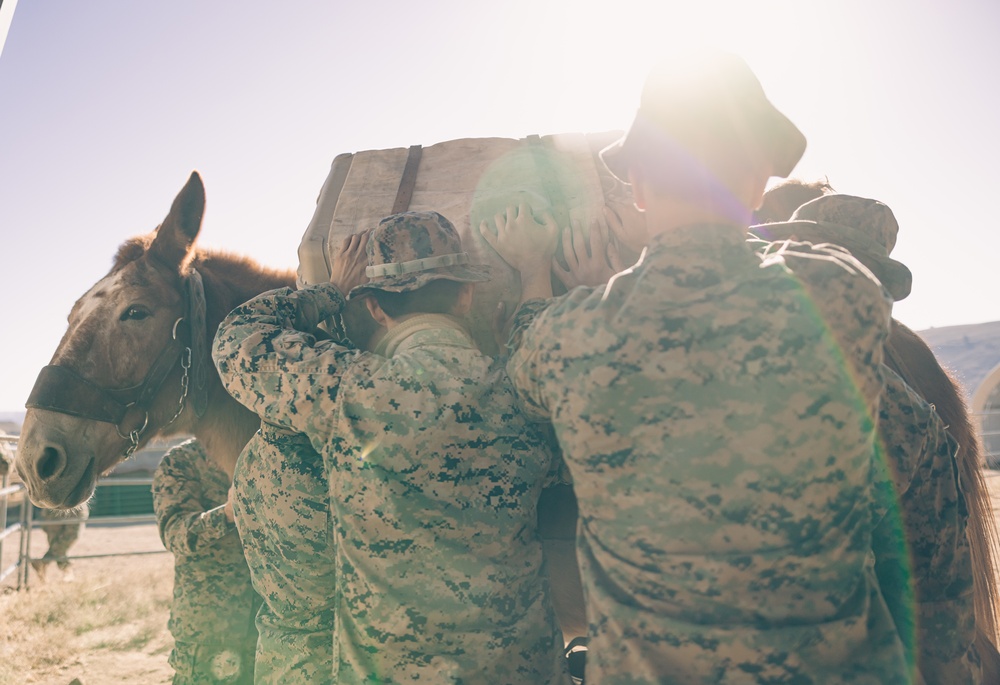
[214, 604]
[717, 418]
[282, 509]
[923, 559]
[434, 483]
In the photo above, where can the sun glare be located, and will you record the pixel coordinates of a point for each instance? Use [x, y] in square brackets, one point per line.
[594, 47]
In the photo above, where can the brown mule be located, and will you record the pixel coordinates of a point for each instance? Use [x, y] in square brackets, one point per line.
[135, 360]
[137, 324]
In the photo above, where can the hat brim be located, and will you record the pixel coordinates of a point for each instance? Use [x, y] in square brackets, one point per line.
[464, 273]
[775, 134]
[895, 276]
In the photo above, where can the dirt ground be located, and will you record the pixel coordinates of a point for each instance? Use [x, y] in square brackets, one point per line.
[106, 621]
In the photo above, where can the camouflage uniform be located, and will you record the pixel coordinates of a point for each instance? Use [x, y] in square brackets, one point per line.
[922, 557]
[434, 482]
[922, 554]
[211, 617]
[720, 439]
[282, 510]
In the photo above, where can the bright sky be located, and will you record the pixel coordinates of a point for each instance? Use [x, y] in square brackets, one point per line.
[107, 105]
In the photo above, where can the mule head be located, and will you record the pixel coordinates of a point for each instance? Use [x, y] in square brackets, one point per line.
[117, 376]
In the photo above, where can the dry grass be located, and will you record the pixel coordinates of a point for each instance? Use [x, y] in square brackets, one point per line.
[104, 623]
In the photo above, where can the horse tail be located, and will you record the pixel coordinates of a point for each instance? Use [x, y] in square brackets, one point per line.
[906, 350]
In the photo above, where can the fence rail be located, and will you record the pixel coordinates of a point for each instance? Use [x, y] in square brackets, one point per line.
[25, 524]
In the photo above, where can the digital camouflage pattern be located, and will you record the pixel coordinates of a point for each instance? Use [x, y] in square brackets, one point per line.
[923, 559]
[212, 615]
[922, 556]
[409, 250]
[61, 536]
[434, 481]
[866, 228]
[716, 410]
[282, 509]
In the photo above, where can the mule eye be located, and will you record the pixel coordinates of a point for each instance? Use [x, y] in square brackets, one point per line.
[134, 313]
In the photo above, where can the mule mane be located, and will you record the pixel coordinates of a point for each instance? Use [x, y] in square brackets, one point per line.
[244, 276]
[223, 262]
[131, 250]
[230, 279]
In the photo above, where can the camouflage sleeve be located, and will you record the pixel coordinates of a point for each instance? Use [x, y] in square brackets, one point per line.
[853, 306]
[185, 526]
[270, 360]
[536, 325]
[525, 314]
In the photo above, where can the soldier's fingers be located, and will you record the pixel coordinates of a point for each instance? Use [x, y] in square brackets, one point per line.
[614, 222]
[363, 240]
[489, 233]
[580, 241]
[569, 252]
[561, 273]
[549, 224]
[598, 238]
[614, 257]
[352, 247]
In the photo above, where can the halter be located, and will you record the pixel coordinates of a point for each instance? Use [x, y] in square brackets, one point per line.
[60, 389]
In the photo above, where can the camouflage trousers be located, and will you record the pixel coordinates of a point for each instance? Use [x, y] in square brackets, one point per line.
[281, 506]
[61, 536]
[206, 664]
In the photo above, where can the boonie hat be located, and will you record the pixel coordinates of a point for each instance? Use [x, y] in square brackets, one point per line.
[866, 228]
[709, 101]
[409, 250]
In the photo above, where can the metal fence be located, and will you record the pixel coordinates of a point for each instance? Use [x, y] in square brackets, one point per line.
[25, 524]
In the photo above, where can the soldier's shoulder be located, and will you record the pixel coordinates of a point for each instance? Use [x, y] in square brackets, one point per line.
[816, 260]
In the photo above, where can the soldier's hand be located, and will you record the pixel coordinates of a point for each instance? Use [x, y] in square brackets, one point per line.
[520, 240]
[591, 257]
[348, 267]
[631, 233]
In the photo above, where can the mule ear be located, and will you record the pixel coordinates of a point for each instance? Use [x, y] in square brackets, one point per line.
[176, 235]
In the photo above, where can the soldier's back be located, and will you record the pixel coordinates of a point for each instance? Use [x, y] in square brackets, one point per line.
[435, 476]
[718, 426]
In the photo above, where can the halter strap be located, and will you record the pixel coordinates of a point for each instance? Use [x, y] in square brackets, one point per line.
[61, 389]
[414, 265]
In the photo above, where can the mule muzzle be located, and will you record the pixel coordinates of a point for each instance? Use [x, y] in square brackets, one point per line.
[54, 477]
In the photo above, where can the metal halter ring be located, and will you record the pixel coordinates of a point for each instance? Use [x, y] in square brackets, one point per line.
[134, 434]
[173, 333]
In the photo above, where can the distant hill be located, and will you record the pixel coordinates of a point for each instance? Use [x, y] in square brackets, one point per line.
[15, 417]
[969, 351]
